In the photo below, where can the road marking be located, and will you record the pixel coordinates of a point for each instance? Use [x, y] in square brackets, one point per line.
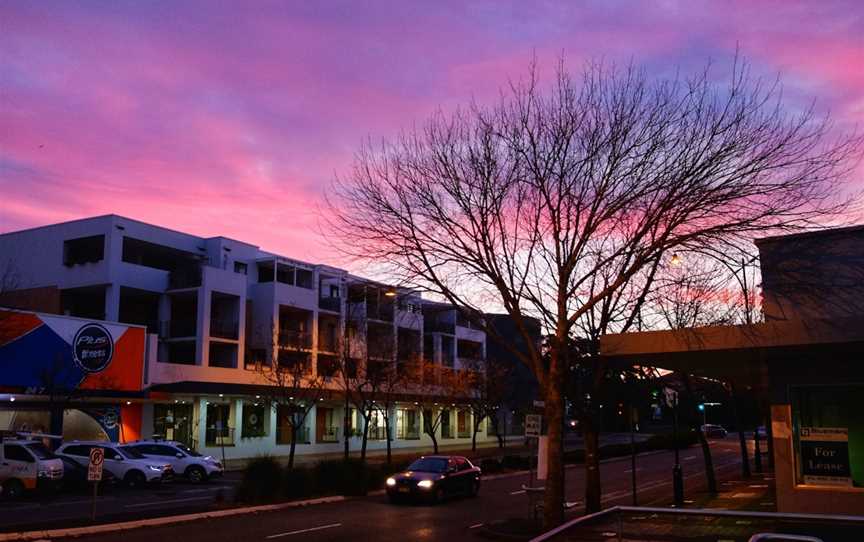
[690, 458]
[521, 491]
[631, 470]
[758, 485]
[141, 504]
[322, 527]
[476, 526]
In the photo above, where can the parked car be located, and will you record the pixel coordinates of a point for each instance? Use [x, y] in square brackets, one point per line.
[26, 464]
[121, 460]
[75, 475]
[185, 461]
[711, 430]
[434, 478]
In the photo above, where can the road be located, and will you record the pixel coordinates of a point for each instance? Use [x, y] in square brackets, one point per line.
[373, 518]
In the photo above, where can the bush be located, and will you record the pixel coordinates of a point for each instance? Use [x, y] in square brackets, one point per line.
[262, 480]
[298, 483]
[350, 477]
[490, 465]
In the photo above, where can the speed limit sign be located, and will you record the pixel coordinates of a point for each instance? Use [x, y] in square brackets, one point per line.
[94, 469]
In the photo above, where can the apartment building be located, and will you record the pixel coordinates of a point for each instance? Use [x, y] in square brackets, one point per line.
[216, 310]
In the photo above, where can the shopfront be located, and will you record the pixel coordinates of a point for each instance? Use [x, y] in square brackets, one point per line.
[80, 379]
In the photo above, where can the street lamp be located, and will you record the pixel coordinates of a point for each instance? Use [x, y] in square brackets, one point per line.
[676, 259]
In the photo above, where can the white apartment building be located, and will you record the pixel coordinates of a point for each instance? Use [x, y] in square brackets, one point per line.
[215, 308]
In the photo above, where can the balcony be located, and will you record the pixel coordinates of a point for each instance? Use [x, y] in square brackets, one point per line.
[433, 326]
[185, 277]
[332, 304]
[177, 328]
[295, 340]
[224, 329]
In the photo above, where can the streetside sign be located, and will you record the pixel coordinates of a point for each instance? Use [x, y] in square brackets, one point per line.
[94, 469]
[533, 422]
[825, 456]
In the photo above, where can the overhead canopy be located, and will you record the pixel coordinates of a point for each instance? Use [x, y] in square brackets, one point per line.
[734, 353]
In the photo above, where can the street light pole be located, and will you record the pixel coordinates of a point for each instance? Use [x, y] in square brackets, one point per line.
[677, 476]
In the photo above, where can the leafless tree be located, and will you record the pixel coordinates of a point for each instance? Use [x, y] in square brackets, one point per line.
[485, 387]
[292, 387]
[523, 202]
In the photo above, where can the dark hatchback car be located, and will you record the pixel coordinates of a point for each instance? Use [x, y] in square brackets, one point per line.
[75, 476]
[433, 478]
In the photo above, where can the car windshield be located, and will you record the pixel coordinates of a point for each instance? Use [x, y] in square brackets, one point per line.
[40, 451]
[130, 452]
[187, 450]
[429, 464]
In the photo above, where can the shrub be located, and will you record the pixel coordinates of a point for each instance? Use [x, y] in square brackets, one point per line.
[342, 477]
[262, 480]
[298, 483]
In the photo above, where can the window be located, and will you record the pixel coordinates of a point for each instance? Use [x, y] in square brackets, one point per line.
[446, 428]
[83, 250]
[78, 451]
[254, 425]
[219, 431]
[334, 290]
[829, 435]
[284, 429]
[462, 424]
[173, 422]
[110, 453]
[17, 453]
[240, 267]
[407, 426]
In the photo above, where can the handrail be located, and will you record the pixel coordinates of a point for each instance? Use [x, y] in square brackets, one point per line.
[758, 537]
[699, 512]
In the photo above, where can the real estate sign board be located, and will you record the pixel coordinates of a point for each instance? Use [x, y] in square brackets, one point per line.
[825, 456]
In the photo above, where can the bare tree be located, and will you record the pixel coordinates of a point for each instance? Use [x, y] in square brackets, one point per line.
[292, 388]
[523, 202]
[485, 387]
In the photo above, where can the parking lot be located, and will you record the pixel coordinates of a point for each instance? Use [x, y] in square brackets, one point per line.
[72, 507]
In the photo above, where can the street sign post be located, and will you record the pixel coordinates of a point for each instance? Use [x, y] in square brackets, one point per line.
[94, 474]
[533, 422]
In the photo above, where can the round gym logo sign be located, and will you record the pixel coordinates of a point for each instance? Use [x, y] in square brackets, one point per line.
[92, 348]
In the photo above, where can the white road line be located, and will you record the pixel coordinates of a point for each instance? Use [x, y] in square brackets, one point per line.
[521, 491]
[139, 505]
[690, 458]
[476, 526]
[289, 533]
[631, 470]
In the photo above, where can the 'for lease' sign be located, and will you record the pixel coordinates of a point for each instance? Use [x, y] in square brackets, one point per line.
[825, 456]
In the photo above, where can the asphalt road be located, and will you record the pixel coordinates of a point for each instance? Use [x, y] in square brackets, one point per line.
[373, 518]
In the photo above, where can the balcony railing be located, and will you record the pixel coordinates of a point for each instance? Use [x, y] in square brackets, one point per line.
[329, 434]
[179, 327]
[184, 277]
[433, 326]
[327, 343]
[296, 340]
[333, 304]
[224, 328]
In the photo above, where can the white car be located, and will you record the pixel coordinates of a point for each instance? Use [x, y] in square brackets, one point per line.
[186, 461]
[26, 464]
[121, 460]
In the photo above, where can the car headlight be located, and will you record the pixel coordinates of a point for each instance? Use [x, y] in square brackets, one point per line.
[154, 468]
[391, 482]
[425, 484]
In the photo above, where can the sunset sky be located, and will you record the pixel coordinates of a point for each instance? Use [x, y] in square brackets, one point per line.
[230, 118]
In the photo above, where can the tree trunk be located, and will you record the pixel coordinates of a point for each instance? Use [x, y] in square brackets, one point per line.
[745, 460]
[293, 448]
[710, 478]
[769, 437]
[365, 438]
[346, 429]
[553, 502]
[387, 431]
[591, 439]
[474, 436]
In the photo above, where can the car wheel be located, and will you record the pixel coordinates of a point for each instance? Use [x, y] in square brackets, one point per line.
[474, 489]
[439, 495]
[135, 479]
[13, 489]
[196, 474]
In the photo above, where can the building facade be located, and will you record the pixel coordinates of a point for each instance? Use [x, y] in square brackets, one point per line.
[216, 310]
